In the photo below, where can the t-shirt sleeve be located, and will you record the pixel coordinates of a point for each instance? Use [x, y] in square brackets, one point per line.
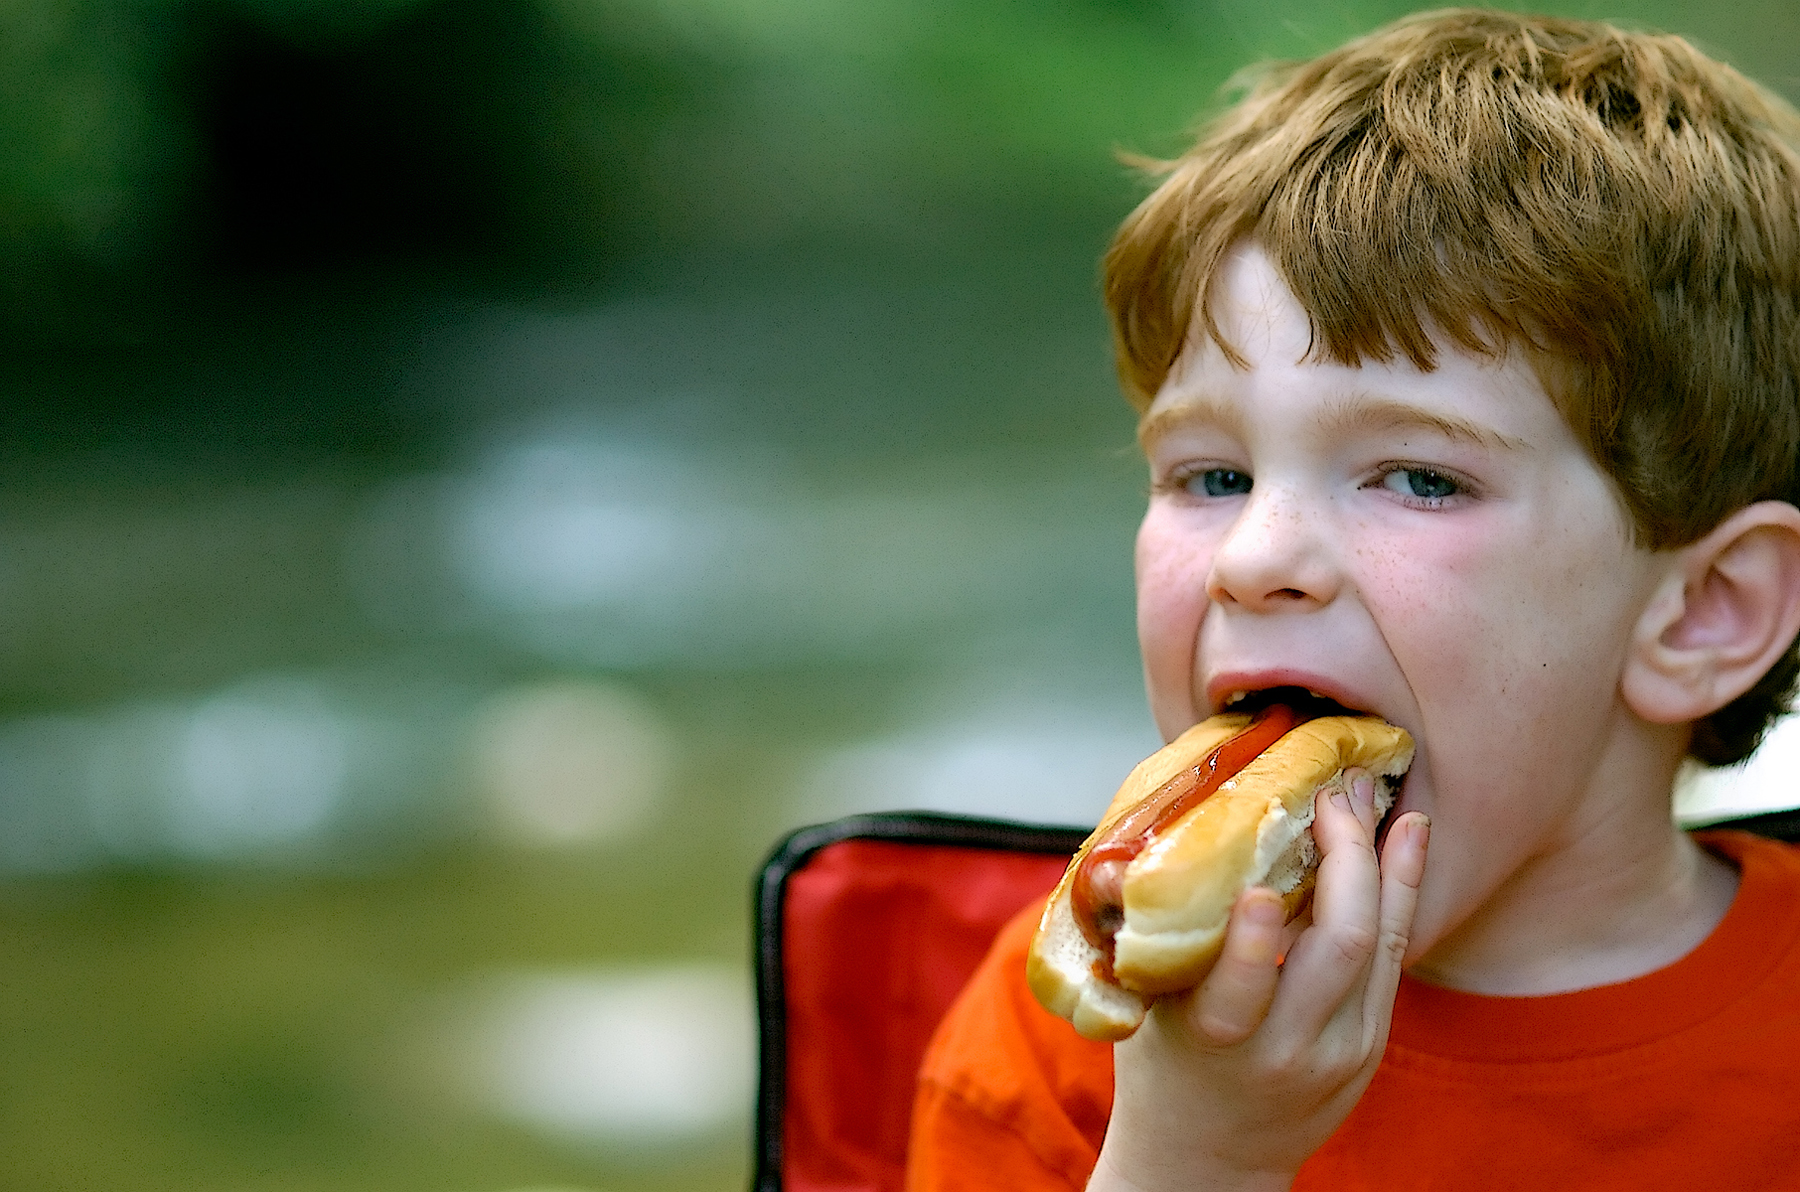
[1009, 1096]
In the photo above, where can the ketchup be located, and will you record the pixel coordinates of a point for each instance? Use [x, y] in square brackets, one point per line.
[1097, 895]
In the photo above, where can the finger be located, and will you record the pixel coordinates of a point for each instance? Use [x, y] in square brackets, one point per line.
[1344, 814]
[1402, 871]
[1331, 958]
[1362, 798]
[1233, 1000]
[1296, 925]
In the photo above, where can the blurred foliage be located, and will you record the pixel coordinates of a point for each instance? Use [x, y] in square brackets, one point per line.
[193, 180]
[558, 135]
[175, 174]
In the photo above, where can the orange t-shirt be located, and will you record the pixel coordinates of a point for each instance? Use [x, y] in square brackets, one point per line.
[1687, 1077]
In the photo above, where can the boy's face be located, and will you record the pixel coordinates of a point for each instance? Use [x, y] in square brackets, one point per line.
[1433, 547]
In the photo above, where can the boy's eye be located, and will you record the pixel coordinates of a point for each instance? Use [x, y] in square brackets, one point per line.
[1220, 482]
[1421, 483]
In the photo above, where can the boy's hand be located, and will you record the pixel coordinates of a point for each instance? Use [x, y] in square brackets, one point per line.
[1234, 1084]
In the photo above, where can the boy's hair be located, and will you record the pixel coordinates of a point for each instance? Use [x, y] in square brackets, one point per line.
[1617, 204]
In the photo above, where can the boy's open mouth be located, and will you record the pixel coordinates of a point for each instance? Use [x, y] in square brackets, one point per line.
[1308, 705]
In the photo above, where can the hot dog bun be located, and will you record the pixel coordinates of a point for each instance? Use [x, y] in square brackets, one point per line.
[1178, 892]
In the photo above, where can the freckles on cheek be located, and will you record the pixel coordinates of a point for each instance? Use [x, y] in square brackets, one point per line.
[1412, 582]
[1431, 607]
[1463, 617]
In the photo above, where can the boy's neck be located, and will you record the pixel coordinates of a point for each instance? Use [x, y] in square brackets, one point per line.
[1625, 893]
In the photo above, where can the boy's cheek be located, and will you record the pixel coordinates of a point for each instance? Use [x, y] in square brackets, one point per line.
[1172, 555]
[1171, 571]
[1166, 641]
[1171, 564]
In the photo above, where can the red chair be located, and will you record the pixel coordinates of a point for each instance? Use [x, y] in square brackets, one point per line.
[866, 929]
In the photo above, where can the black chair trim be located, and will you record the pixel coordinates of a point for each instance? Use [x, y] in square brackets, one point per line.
[790, 855]
[1777, 825]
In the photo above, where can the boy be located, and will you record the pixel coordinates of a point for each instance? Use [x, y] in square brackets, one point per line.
[1468, 360]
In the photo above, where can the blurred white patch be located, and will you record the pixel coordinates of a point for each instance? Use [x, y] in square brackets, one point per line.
[264, 764]
[279, 766]
[1056, 767]
[571, 762]
[621, 551]
[573, 552]
[1769, 780]
[258, 766]
[556, 525]
[625, 1058]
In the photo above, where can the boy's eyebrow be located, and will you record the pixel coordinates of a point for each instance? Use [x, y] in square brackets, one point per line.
[1358, 413]
[1198, 408]
[1369, 412]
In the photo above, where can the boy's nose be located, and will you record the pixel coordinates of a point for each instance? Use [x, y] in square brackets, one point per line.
[1274, 559]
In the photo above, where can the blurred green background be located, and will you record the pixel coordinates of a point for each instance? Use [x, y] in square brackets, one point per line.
[476, 471]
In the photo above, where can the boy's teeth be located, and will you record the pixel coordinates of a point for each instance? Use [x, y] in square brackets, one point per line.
[1315, 694]
[1235, 696]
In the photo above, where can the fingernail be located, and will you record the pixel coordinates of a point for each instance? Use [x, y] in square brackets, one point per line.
[1340, 799]
[1363, 788]
[1421, 830]
[1266, 912]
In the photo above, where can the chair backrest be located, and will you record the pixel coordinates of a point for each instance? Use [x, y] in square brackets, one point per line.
[866, 929]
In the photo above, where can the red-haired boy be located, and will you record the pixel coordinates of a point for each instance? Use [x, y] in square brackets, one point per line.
[1468, 358]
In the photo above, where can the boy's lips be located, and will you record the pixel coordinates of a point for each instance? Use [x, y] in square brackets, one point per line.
[1232, 687]
[1223, 690]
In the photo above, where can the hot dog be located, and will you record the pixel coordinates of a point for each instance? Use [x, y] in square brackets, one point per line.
[1143, 906]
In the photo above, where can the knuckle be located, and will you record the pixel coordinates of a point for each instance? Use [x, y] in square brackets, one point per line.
[1306, 1068]
[1355, 944]
[1281, 1064]
[1394, 945]
[1334, 1066]
[1227, 1013]
[1219, 1030]
[1350, 1057]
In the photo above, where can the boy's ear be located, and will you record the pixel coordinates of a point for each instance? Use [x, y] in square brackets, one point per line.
[1725, 611]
